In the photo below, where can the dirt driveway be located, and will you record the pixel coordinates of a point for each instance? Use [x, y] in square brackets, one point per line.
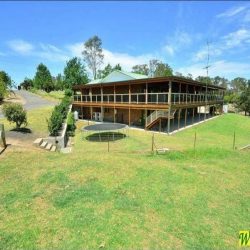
[28, 100]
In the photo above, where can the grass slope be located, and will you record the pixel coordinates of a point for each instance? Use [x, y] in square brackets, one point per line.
[37, 121]
[51, 96]
[129, 198]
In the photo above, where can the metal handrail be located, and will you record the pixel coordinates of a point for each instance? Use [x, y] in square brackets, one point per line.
[157, 114]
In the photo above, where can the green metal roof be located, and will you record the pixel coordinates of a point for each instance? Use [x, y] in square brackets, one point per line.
[118, 76]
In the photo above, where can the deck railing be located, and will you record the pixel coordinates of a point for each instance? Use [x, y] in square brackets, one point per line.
[150, 98]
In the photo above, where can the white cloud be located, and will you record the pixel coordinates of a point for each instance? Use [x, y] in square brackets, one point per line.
[232, 12]
[51, 53]
[202, 54]
[126, 61]
[75, 49]
[176, 42]
[194, 69]
[183, 38]
[236, 38]
[228, 68]
[169, 49]
[20, 46]
[41, 50]
[221, 67]
[49, 47]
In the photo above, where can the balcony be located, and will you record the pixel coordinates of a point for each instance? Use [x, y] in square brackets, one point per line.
[150, 98]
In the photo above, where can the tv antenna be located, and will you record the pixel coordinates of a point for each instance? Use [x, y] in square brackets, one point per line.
[206, 68]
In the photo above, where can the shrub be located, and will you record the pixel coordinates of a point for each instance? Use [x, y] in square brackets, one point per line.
[68, 92]
[55, 122]
[58, 115]
[15, 113]
[71, 124]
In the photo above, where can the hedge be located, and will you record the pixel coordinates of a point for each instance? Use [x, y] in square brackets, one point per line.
[58, 116]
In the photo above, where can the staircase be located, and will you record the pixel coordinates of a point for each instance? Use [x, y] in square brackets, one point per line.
[154, 117]
[41, 143]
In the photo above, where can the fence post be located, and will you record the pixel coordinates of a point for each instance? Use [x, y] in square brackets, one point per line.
[152, 146]
[108, 143]
[194, 140]
[234, 141]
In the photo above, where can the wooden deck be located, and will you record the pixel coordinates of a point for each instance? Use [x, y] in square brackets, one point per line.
[143, 105]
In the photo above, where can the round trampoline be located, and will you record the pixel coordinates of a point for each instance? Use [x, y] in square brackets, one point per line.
[105, 132]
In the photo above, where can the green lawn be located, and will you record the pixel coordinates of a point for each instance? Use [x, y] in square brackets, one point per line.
[37, 121]
[130, 198]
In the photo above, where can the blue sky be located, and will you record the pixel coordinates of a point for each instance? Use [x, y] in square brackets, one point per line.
[132, 33]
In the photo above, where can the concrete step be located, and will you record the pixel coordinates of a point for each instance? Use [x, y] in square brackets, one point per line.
[53, 149]
[162, 150]
[44, 144]
[38, 142]
[49, 146]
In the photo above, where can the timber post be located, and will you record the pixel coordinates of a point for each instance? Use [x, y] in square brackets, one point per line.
[129, 99]
[2, 136]
[169, 104]
[114, 104]
[179, 116]
[185, 117]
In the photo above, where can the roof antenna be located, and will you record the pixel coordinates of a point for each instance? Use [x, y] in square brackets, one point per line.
[206, 68]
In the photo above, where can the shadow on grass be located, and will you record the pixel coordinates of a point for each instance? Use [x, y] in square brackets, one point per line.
[22, 130]
[105, 136]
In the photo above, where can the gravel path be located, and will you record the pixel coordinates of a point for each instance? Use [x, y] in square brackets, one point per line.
[32, 101]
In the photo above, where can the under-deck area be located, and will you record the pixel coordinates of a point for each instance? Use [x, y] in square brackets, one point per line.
[179, 118]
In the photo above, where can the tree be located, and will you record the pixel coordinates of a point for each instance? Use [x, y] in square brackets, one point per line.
[155, 68]
[58, 82]
[117, 67]
[238, 84]
[107, 70]
[141, 69]
[163, 69]
[152, 67]
[189, 76]
[43, 79]
[220, 81]
[27, 83]
[204, 79]
[74, 73]
[6, 79]
[15, 113]
[92, 54]
[243, 101]
[5, 84]
[3, 89]
[178, 74]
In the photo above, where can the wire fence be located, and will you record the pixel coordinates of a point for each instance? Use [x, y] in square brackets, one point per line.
[138, 141]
